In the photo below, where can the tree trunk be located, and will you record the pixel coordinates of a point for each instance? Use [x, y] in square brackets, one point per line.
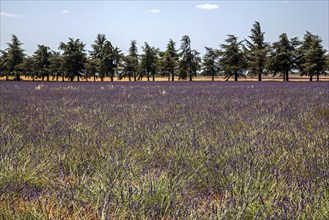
[148, 76]
[111, 78]
[168, 77]
[56, 77]
[311, 77]
[17, 77]
[62, 78]
[260, 77]
[129, 77]
[78, 78]
[318, 77]
[173, 77]
[190, 77]
[72, 78]
[6, 77]
[94, 78]
[235, 77]
[153, 77]
[43, 77]
[212, 78]
[287, 76]
[102, 79]
[47, 77]
[134, 76]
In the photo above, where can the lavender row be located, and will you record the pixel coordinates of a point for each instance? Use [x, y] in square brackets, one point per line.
[155, 150]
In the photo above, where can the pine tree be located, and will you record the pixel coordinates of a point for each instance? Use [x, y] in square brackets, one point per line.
[131, 61]
[312, 56]
[73, 58]
[209, 64]
[41, 57]
[15, 56]
[149, 59]
[283, 56]
[257, 50]
[232, 61]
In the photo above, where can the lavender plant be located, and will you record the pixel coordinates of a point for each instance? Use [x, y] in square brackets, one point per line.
[160, 150]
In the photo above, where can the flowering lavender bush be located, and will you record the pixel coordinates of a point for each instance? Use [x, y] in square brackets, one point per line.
[179, 150]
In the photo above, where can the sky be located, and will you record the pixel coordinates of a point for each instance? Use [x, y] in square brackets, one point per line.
[207, 23]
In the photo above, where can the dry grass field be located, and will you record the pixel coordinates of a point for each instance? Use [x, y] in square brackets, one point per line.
[293, 78]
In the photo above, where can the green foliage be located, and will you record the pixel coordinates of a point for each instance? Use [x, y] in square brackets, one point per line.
[257, 50]
[103, 52]
[168, 63]
[29, 67]
[14, 56]
[312, 56]
[327, 64]
[131, 61]
[209, 64]
[189, 62]
[283, 56]
[149, 59]
[73, 58]
[56, 65]
[42, 62]
[256, 57]
[3, 63]
[232, 60]
[91, 67]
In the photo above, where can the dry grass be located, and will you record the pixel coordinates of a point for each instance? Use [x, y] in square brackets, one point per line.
[293, 78]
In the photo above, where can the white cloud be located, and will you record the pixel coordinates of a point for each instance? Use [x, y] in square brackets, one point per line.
[207, 6]
[65, 12]
[154, 11]
[9, 15]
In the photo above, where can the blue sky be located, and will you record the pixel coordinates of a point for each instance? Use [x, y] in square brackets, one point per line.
[206, 22]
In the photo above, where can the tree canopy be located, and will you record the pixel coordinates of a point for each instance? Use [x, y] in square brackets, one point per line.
[252, 57]
[257, 50]
[74, 57]
[312, 56]
[14, 56]
[283, 56]
[232, 61]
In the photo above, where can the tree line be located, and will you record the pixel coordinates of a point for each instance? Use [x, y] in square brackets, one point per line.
[248, 57]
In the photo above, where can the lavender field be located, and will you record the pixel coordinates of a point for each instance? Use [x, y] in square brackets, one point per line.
[164, 150]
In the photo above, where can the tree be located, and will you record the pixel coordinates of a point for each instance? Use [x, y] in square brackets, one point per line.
[29, 67]
[232, 61]
[91, 68]
[327, 63]
[257, 51]
[15, 56]
[168, 62]
[3, 64]
[131, 61]
[103, 52]
[283, 56]
[188, 64]
[73, 58]
[312, 56]
[117, 60]
[210, 59]
[56, 65]
[41, 57]
[196, 64]
[149, 60]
